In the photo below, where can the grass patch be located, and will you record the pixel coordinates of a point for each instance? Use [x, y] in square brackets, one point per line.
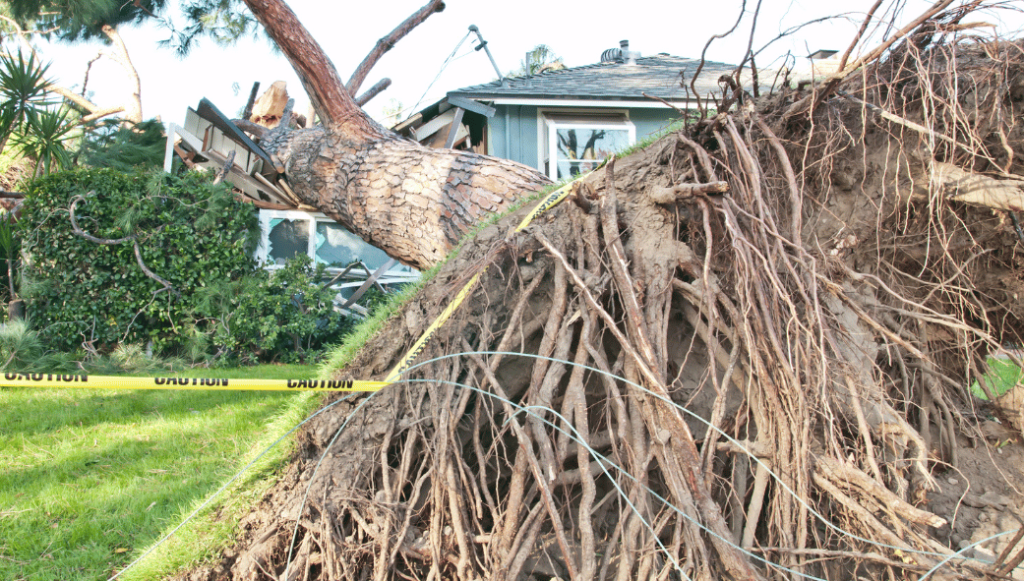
[94, 477]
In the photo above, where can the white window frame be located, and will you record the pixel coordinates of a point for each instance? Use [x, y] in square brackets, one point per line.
[262, 251]
[547, 132]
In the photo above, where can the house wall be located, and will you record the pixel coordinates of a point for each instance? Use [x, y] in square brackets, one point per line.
[513, 131]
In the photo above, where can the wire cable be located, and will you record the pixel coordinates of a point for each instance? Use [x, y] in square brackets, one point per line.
[438, 75]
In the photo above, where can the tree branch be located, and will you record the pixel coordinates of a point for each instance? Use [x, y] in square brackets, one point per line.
[247, 113]
[373, 92]
[316, 71]
[75, 98]
[167, 286]
[250, 127]
[133, 106]
[88, 69]
[388, 42]
[101, 113]
[79, 232]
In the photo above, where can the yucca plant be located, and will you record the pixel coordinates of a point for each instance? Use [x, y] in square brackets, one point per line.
[23, 92]
[44, 135]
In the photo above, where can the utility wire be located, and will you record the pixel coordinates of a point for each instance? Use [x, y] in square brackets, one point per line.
[443, 66]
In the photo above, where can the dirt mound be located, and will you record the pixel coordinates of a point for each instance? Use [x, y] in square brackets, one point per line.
[661, 380]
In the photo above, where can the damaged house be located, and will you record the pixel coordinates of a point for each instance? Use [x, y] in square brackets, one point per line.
[564, 122]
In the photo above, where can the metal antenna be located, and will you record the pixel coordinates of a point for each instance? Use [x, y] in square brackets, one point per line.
[483, 45]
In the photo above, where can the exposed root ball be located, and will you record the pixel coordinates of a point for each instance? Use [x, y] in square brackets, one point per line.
[658, 380]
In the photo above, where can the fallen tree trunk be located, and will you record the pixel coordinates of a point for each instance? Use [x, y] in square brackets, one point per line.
[413, 202]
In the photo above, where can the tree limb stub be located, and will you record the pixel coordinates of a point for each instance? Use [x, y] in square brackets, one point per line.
[388, 42]
[223, 173]
[315, 70]
[249, 127]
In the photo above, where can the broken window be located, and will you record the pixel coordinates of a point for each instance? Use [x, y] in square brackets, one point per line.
[288, 233]
[287, 238]
[337, 246]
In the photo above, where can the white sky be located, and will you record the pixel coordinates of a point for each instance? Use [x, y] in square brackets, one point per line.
[577, 31]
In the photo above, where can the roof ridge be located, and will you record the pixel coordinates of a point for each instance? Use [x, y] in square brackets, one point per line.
[655, 73]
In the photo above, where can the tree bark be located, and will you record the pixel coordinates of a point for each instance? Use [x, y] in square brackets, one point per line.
[411, 201]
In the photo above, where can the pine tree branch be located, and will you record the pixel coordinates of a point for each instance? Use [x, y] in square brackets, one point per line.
[373, 92]
[388, 42]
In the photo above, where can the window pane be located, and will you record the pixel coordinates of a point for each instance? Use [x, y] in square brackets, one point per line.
[287, 238]
[337, 246]
[580, 149]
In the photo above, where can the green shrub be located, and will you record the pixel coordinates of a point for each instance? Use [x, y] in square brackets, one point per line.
[191, 232]
[284, 315]
[19, 346]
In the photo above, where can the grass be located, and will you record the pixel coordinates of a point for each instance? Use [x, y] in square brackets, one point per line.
[1002, 376]
[92, 478]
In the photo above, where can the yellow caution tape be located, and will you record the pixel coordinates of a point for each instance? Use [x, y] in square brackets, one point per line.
[420, 343]
[198, 383]
[217, 383]
[551, 200]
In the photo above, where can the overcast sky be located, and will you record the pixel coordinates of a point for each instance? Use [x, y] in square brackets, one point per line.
[577, 31]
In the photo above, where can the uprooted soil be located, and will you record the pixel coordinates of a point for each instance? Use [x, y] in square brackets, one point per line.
[823, 317]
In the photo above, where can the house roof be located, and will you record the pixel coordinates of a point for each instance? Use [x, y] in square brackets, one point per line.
[659, 75]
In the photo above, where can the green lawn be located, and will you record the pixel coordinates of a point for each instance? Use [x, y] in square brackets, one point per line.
[90, 479]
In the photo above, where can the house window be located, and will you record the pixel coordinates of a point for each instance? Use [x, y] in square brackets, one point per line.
[578, 142]
[287, 233]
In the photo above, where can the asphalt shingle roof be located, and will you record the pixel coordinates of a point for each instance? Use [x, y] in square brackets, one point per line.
[657, 75]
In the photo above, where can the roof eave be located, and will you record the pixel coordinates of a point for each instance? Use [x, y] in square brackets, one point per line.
[541, 99]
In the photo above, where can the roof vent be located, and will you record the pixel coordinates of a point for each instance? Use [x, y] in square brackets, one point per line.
[612, 55]
[628, 56]
[620, 55]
